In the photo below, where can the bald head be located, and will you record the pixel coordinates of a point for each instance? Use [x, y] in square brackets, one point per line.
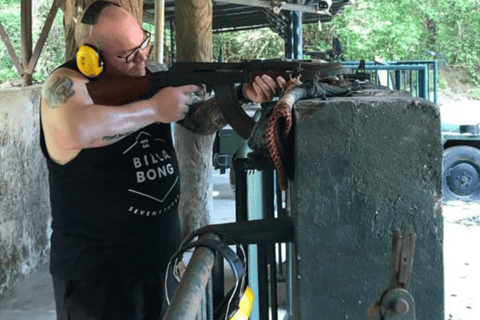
[117, 35]
[115, 28]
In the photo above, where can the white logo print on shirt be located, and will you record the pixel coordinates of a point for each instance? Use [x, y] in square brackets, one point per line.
[149, 167]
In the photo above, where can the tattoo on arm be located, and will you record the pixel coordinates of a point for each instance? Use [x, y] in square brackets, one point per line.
[57, 91]
[117, 136]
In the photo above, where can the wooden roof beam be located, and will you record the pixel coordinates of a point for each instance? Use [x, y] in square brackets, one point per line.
[11, 51]
[43, 36]
[26, 22]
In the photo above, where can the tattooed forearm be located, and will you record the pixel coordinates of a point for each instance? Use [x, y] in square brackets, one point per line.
[56, 91]
[117, 136]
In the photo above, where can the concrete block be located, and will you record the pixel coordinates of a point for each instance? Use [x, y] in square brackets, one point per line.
[24, 192]
[365, 166]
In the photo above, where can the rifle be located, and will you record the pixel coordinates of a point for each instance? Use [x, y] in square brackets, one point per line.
[221, 77]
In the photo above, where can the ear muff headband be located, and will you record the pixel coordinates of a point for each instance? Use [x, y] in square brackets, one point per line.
[93, 11]
[89, 60]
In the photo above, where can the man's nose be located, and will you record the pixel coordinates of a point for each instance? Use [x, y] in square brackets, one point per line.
[142, 55]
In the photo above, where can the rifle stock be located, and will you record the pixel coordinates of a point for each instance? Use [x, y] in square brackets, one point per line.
[117, 91]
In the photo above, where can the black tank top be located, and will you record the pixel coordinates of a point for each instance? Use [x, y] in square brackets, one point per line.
[114, 208]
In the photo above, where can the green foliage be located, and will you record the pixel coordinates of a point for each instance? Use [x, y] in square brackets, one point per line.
[448, 30]
[9, 16]
[247, 45]
[476, 94]
[442, 83]
[53, 51]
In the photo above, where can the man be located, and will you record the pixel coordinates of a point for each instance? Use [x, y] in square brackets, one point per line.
[114, 179]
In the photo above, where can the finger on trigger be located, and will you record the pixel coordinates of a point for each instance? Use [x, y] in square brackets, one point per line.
[269, 81]
[263, 85]
[191, 88]
[272, 86]
[257, 88]
[281, 81]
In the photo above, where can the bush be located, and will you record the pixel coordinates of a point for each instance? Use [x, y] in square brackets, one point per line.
[476, 93]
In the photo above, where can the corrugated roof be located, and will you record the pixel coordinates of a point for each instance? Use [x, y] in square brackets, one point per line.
[228, 16]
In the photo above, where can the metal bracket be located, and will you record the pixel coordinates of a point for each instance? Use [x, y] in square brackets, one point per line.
[396, 302]
[277, 6]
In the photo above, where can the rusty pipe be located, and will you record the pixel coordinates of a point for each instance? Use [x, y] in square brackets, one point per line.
[191, 290]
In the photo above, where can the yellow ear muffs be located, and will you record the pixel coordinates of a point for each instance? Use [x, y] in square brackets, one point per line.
[244, 306]
[89, 61]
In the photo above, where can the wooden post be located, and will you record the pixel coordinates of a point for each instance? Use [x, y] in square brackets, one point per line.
[194, 43]
[26, 16]
[159, 29]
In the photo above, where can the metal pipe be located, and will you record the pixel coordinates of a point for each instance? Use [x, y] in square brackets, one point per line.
[297, 35]
[262, 282]
[280, 214]
[210, 305]
[273, 280]
[240, 189]
[218, 280]
[159, 29]
[268, 186]
[289, 51]
[191, 290]
[263, 231]
[172, 41]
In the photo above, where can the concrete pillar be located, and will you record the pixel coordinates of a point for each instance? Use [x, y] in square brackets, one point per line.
[24, 192]
[365, 166]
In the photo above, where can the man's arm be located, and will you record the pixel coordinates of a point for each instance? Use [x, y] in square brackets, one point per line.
[71, 120]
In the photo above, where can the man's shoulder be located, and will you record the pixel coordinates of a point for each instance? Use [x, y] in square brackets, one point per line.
[65, 72]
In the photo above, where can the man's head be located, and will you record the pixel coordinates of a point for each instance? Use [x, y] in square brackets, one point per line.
[119, 38]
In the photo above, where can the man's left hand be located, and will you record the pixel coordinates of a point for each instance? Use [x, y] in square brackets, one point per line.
[263, 88]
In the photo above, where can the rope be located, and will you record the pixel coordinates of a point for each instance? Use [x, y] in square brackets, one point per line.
[282, 110]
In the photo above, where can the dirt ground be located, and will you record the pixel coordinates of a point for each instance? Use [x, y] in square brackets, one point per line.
[455, 99]
[461, 260]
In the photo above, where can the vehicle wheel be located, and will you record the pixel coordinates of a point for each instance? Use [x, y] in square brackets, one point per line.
[461, 174]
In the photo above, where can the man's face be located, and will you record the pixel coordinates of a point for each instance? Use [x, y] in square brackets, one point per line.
[126, 55]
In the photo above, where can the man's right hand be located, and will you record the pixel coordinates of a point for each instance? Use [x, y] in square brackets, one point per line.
[172, 103]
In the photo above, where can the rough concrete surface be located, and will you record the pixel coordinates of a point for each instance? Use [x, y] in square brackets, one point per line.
[380, 163]
[24, 202]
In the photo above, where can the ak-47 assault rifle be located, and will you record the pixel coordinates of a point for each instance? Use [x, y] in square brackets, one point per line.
[221, 77]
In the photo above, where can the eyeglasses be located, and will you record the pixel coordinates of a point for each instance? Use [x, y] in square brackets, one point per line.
[145, 45]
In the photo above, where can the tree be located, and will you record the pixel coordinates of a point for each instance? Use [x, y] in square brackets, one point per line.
[194, 43]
